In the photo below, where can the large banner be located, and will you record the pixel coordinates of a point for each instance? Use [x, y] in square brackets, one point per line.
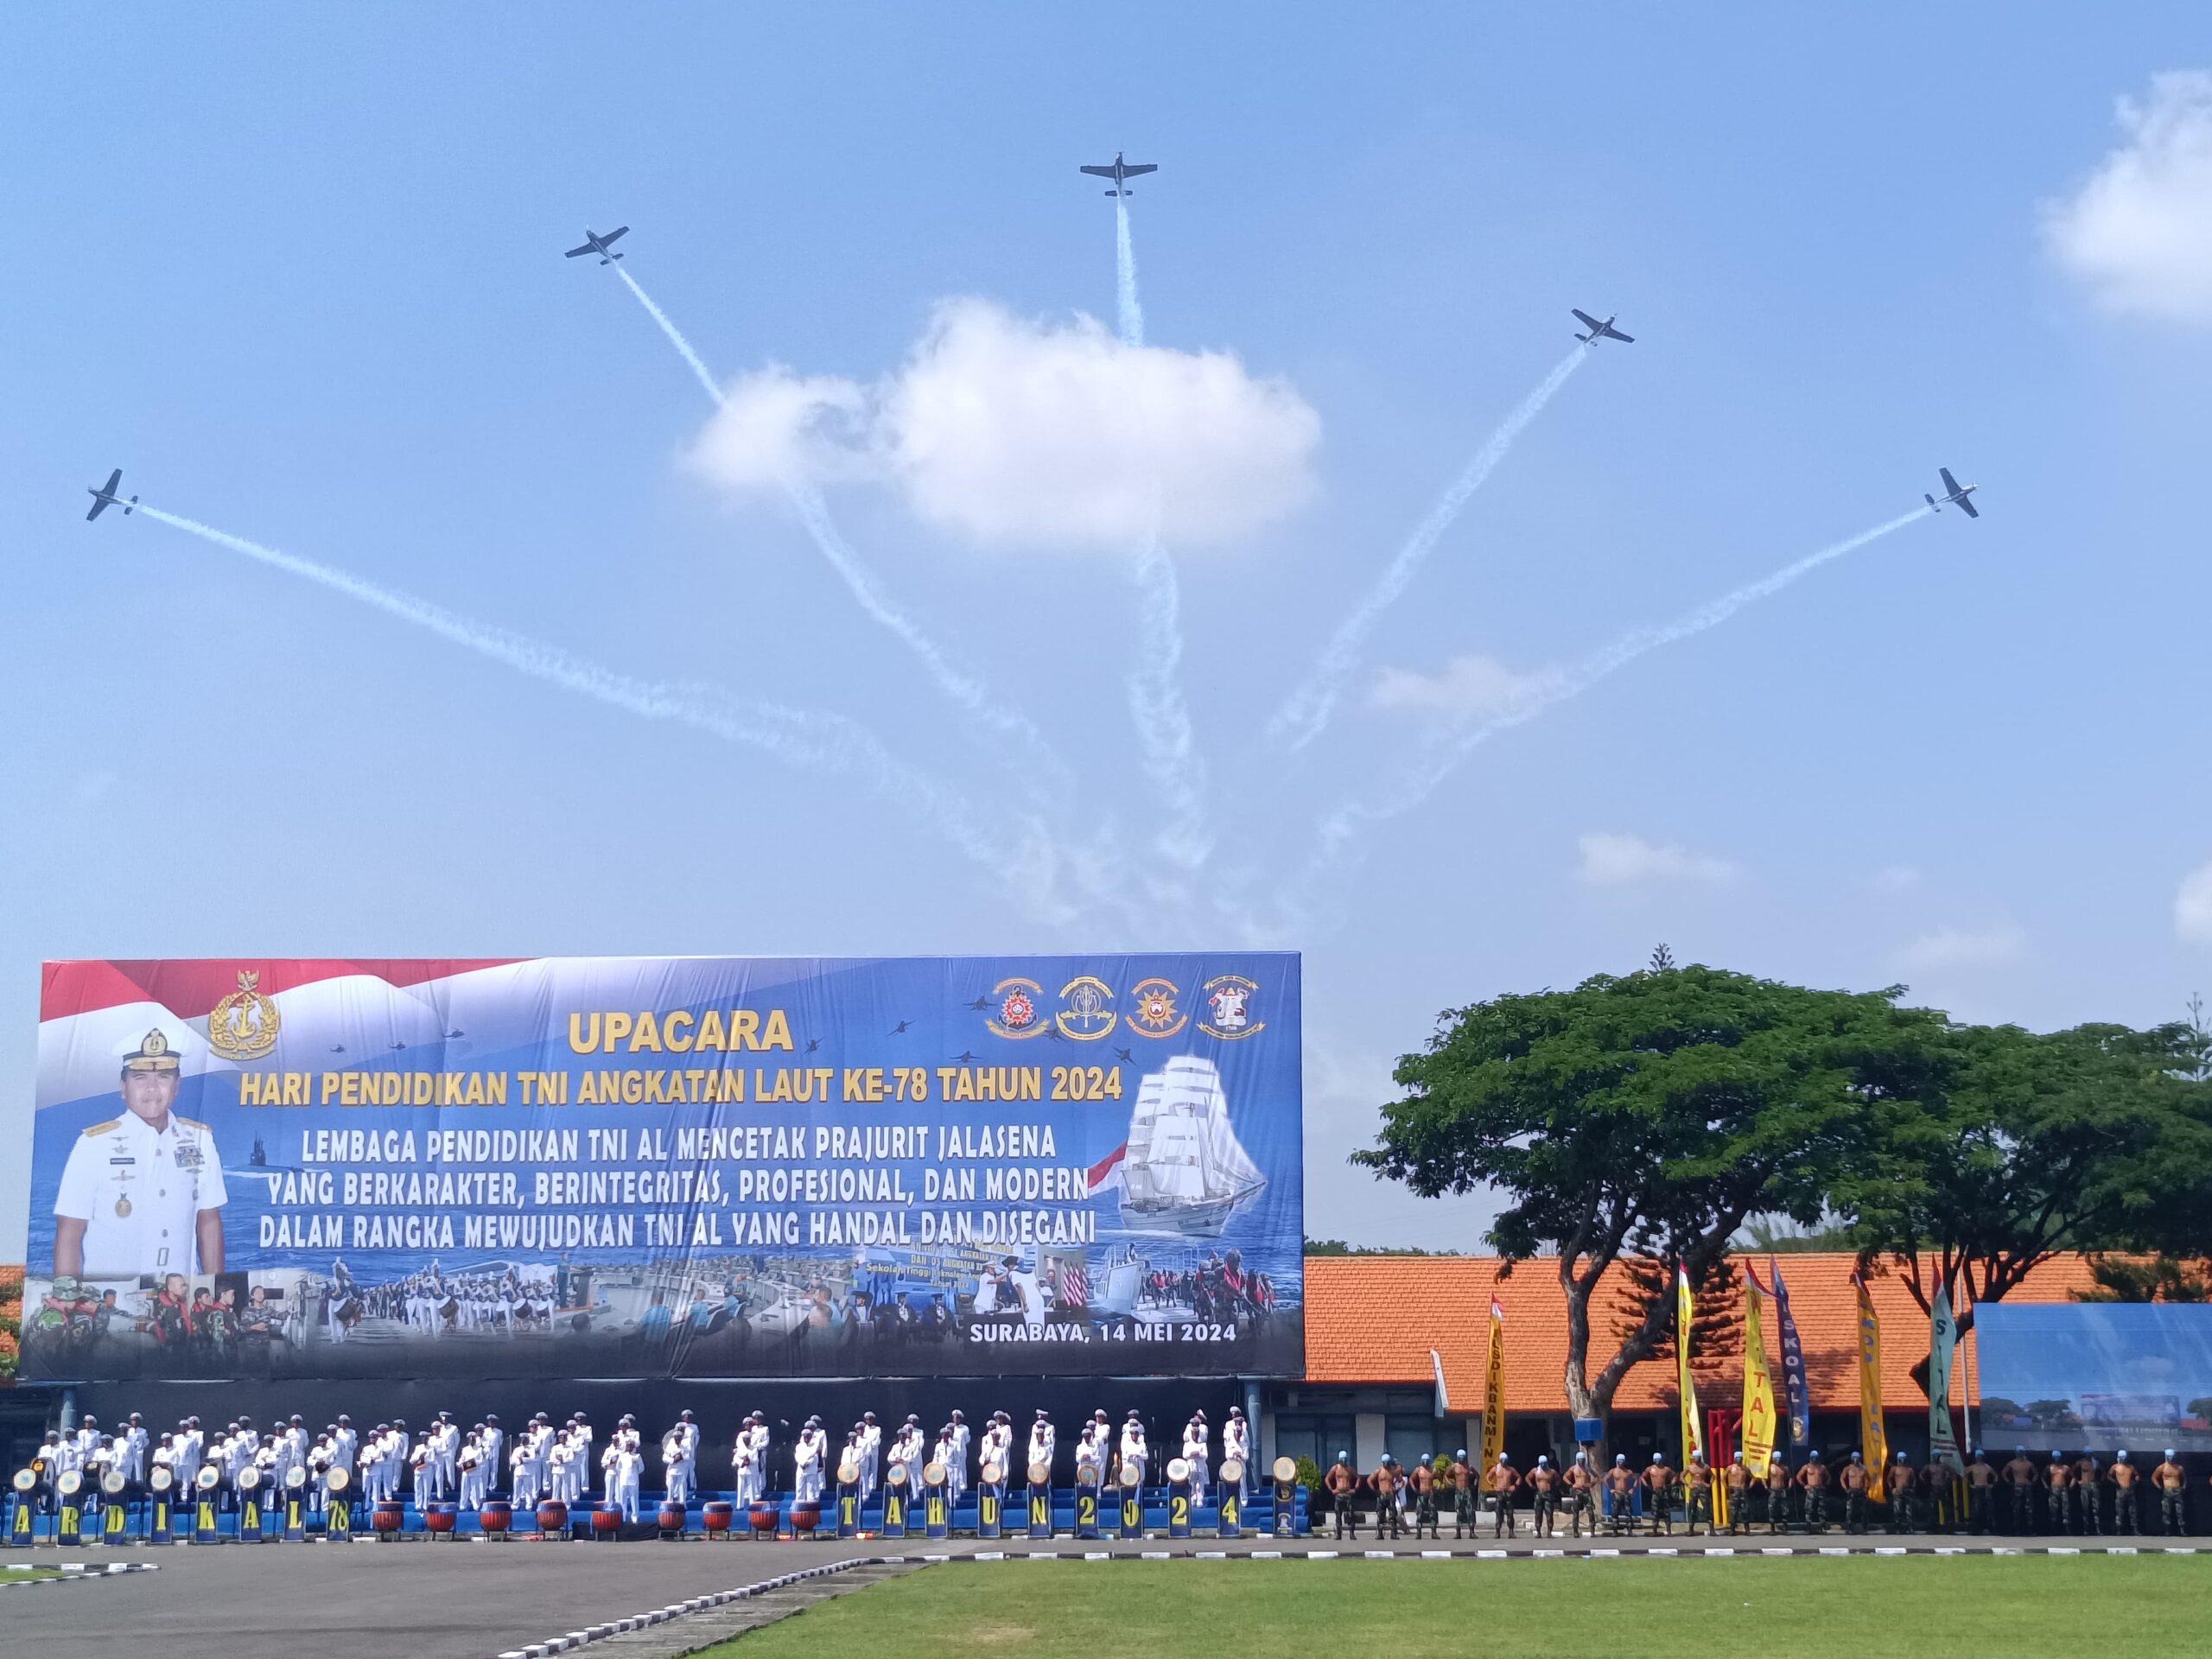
[703, 1166]
[2067, 1374]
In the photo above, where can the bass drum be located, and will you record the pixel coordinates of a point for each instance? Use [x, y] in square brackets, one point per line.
[933, 1474]
[249, 1478]
[337, 1480]
[992, 1474]
[24, 1480]
[1131, 1479]
[296, 1479]
[1179, 1471]
[1040, 1473]
[113, 1483]
[1286, 1470]
[71, 1482]
[848, 1474]
[1232, 1471]
[208, 1478]
[1086, 1475]
[161, 1477]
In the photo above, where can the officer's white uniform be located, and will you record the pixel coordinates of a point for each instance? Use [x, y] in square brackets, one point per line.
[624, 1464]
[139, 1191]
[1197, 1451]
[958, 1482]
[1043, 1442]
[745, 1464]
[1237, 1442]
[871, 1451]
[684, 1466]
[495, 1442]
[906, 1450]
[1132, 1449]
[806, 1472]
[1090, 1449]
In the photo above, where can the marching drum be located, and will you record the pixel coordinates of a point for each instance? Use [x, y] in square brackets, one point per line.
[1232, 1471]
[607, 1520]
[849, 1473]
[249, 1478]
[25, 1480]
[337, 1481]
[1179, 1471]
[1131, 1479]
[895, 1475]
[208, 1478]
[992, 1474]
[671, 1518]
[113, 1483]
[552, 1516]
[440, 1521]
[159, 1478]
[388, 1517]
[805, 1517]
[715, 1517]
[1040, 1473]
[70, 1483]
[495, 1517]
[1285, 1471]
[296, 1479]
[1229, 1505]
[763, 1517]
[933, 1474]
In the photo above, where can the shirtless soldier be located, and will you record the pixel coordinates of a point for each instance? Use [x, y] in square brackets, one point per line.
[2123, 1475]
[1343, 1486]
[1901, 1494]
[1462, 1494]
[1543, 1484]
[1423, 1481]
[1385, 1480]
[1981, 1486]
[1502, 1480]
[2020, 1475]
[1939, 1481]
[1620, 1487]
[2088, 1495]
[1813, 1479]
[1658, 1492]
[1739, 1479]
[1697, 1493]
[2171, 1481]
[1777, 1495]
[1581, 1495]
[2057, 1475]
[1853, 1482]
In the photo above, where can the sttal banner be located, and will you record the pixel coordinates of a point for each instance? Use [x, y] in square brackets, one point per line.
[668, 1166]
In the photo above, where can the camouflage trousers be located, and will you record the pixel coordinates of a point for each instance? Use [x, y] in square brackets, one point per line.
[1582, 1506]
[2123, 1511]
[1546, 1505]
[2173, 1511]
[1463, 1510]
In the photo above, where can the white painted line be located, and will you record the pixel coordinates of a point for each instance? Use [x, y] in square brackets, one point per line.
[1948, 1549]
[1889, 1549]
[1380, 1555]
[1833, 1549]
[2062, 1549]
[1322, 1554]
[1492, 1555]
[1595, 1554]
[1154, 1555]
[1549, 1554]
[2111, 1549]
[1097, 1554]
[1436, 1554]
[1717, 1552]
[1266, 1555]
[1210, 1555]
[1768, 1550]
[1669, 1550]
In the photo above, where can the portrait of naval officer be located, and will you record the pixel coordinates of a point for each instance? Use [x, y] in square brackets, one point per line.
[142, 1193]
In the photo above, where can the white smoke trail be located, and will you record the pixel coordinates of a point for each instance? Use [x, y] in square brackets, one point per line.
[1131, 314]
[823, 742]
[973, 698]
[1162, 715]
[1305, 712]
[1341, 827]
[675, 336]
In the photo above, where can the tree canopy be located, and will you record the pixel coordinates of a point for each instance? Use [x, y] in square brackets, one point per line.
[1649, 1114]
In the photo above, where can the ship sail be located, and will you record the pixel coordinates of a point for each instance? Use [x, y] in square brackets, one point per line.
[1185, 1171]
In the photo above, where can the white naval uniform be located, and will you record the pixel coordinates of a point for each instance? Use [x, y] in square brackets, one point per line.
[624, 1464]
[495, 1445]
[871, 1454]
[1197, 1451]
[1132, 1451]
[957, 1483]
[139, 1193]
[683, 1470]
[745, 1464]
[806, 1466]
[1235, 1442]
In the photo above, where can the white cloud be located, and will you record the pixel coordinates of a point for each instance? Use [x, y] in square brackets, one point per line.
[1469, 687]
[2140, 233]
[1946, 949]
[1615, 861]
[2193, 906]
[1033, 436]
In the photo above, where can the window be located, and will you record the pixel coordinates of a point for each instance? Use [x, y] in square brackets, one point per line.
[1318, 1435]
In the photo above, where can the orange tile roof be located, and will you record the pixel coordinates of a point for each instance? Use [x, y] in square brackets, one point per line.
[1374, 1318]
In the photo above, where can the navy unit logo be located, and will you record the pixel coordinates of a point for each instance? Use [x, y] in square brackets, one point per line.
[244, 1025]
[1230, 998]
[1156, 1014]
[1017, 1010]
[1086, 1012]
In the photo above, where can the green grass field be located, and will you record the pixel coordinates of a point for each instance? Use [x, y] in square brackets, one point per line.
[1865, 1608]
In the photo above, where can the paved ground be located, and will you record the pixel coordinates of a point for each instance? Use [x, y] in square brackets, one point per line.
[417, 1600]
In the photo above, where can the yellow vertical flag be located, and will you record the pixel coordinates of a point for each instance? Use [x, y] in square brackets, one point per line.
[1759, 1384]
[1873, 1440]
[1685, 1314]
[1494, 1391]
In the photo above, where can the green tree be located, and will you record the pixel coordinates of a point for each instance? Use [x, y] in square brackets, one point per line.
[1650, 1115]
[2146, 1279]
[2090, 1139]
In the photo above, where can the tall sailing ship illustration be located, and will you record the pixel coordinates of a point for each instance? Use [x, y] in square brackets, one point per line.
[1185, 1172]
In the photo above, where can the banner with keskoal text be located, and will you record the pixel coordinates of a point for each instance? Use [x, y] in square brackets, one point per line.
[1795, 1385]
[692, 1166]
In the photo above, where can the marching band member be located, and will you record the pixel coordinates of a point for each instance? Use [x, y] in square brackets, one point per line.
[745, 1462]
[495, 1441]
[582, 1465]
[1198, 1442]
[680, 1452]
[956, 1483]
[321, 1456]
[1043, 1442]
[86, 1440]
[907, 1451]
[445, 1434]
[625, 1465]
[1093, 1447]
[998, 1444]
[871, 1451]
[806, 1462]
[344, 1444]
[187, 1448]
[1133, 1447]
[470, 1468]
[163, 1456]
[946, 1449]
[134, 1452]
[1237, 1442]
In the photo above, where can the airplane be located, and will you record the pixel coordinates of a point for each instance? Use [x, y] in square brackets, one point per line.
[981, 1004]
[1599, 330]
[105, 497]
[594, 243]
[1127, 1058]
[901, 1027]
[1952, 492]
[964, 1060]
[1121, 172]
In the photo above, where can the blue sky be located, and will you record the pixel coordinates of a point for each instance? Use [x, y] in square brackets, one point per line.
[300, 275]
